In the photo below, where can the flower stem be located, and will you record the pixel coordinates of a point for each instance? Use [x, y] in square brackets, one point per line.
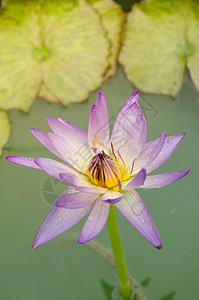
[125, 289]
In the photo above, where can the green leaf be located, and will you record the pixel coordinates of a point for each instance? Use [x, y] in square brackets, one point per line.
[20, 75]
[160, 38]
[78, 50]
[112, 18]
[4, 130]
[193, 43]
[54, 49]
[45, 93]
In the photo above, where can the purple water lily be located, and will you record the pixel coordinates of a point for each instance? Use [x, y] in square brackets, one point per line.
[101, 170]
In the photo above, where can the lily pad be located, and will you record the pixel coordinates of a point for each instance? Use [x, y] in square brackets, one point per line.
[112, 18]
[46, 94]
[4, 129]
[160, 38]
[55, 49]
[78, 50]
[20, 74]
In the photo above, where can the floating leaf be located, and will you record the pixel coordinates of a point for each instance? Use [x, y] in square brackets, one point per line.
[78, 50]
[55, 49]
[46, 94]
[4, 129]
[112, 18]
[160, 38]
[193, 44]
[20, 74]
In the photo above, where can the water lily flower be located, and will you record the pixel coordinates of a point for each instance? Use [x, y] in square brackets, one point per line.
[102, 169]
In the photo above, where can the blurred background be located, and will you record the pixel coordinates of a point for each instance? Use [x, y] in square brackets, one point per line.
[59, 56]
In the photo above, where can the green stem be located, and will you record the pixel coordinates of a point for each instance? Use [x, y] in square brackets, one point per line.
[118, 254]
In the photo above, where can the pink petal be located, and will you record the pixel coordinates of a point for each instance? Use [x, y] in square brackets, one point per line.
[75, 199]
[112, 197]
[98, 131]
[24, 161]
[130, 136]
[95, 222]
[57, 222]
[149, 154]
[82, 183]
[170, 144]
[160, 180]
[53, 167]
[80, 132]
[137, 181]
[134, 210]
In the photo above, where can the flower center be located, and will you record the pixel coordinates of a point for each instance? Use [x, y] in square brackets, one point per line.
[104, 171]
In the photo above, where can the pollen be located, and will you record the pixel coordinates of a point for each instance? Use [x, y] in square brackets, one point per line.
[104, 171]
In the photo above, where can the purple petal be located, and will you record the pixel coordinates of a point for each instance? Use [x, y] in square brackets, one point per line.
[80, 132]
[98, 131]
[57, 222]
[137, 181]
[170, 144]
[71, 153]
[64, 149]
[133, 98]
[103, 113]
[82, 183]
[160, 180]
[68, 133]
[95, 222]
[112, 197]
[45, 140]
[149, 154]
[134, 210]
[53, 167]
[75, 199]
[130, 136]
[24, 161]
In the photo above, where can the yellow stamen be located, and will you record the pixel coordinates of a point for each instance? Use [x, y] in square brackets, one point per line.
[104, 171]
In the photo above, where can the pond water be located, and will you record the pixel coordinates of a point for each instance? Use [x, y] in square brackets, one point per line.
[63, 269]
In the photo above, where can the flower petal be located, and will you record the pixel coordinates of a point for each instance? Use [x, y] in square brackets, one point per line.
[112, 197]
[160, 180]
[82, 183]
[53, 167]
[57, 222]
[64, 149]
[133, 98]
[45, 140]
[73, 199]
[149, 154]
[137, 181]
[98, 130]
[95, 222]
[80, 132]
[103, 114]
[24, 161]
[170, 144]
[77, 157]
[134, 210]
[67, 132]
[130, 137]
